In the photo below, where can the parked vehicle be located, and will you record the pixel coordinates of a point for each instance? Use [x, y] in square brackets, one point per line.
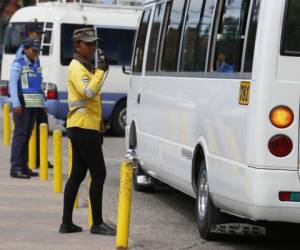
[213, 107]
[115, 25]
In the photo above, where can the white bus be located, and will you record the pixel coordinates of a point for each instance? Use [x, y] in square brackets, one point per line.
[115, 25]
[213, 106]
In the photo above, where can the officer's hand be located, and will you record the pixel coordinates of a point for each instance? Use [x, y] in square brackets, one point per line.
[46, 110]
[18, 110]
[102, 60]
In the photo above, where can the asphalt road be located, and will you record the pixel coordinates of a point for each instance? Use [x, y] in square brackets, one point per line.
[160, 220]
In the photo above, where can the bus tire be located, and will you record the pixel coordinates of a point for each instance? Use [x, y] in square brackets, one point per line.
[119, 119]
[206, 212]
[138, 187]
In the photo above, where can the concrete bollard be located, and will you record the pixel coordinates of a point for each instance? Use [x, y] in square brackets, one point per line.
[124, 205]
[43, 152]
[32, 149]
[6, 125]
[57, 161]
[76, 203]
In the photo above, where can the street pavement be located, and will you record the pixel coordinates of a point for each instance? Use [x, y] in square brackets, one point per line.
[30, 213]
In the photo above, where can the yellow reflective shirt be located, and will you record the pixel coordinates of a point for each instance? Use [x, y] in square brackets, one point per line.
[84, 100]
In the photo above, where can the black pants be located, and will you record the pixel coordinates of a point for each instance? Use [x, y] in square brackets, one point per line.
[24, 124]
[87, 154]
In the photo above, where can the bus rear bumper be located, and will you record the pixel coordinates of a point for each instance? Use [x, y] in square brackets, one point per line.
[262, 188]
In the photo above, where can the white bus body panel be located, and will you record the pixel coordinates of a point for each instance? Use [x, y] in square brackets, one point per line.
[175, 114]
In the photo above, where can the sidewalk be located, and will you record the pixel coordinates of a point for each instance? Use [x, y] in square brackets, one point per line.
[30, 214]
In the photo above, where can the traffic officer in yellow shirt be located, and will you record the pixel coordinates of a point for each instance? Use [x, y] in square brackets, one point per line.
[84, 128]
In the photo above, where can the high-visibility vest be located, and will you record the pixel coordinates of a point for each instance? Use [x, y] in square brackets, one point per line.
[30, 84]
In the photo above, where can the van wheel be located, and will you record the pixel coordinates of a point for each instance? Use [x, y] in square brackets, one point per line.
[137, 186]
[206, 212]
[119, 119]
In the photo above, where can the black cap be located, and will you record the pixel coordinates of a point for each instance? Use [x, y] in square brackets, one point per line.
[85, 34]
[34, 27]
[35, 44]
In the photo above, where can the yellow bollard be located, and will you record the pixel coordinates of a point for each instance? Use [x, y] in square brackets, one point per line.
[90, 218]
[32, 149]
[43, 152]
[124, 205]
[57, 159]
[6, 124]
[90, 212]
[76, 203]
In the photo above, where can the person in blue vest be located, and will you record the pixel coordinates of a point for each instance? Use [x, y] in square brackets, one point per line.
[34, 30]
[27, 100]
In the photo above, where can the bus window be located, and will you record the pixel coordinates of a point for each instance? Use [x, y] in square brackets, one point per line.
[196, 34]
[251, 37]
[154, 37]
[230, 37]
[66, 54]
[172, 36]
[117, 44]
[140, 43]
[291, 35]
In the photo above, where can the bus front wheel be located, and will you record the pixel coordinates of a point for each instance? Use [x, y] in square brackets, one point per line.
[119, 119]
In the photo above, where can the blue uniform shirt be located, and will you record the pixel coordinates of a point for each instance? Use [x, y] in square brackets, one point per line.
[15, 75]
[19, 53]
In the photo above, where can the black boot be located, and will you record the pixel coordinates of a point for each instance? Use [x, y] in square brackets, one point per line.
[103, 229]
[69, 228]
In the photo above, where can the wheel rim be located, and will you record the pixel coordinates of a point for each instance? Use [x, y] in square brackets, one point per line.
[122, 118]
[202, 196]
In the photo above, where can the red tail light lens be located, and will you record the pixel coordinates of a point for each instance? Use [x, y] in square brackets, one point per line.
[3, 88]
[4, 91]
[280, 145]
[51, 91]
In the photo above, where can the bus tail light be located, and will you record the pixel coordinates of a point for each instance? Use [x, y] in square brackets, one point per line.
[281, 116]
[289, 196]
[280, 145]
[3, 88]
[51, 91]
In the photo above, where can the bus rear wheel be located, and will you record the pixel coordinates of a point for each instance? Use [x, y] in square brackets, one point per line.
[206, 212]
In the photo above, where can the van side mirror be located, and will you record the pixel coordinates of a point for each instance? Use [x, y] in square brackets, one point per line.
[126, 70]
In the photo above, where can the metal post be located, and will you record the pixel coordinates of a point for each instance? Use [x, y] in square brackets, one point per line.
[57, 159]
[6, 124]
[43, 152]
[32, 149]
[124, 205]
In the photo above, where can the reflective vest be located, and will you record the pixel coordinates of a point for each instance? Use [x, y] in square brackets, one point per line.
[84, 99]
[30, 84]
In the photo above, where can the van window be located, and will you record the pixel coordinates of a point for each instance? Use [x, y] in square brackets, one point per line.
[251, 37]
[117, 44]
[66, 43]
[154, 37]
[291, 35]
[172, 36]
[230, 37]
[140, 42]
[16, 34]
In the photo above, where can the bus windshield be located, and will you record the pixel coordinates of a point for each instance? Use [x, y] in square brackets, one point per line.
[291, 35]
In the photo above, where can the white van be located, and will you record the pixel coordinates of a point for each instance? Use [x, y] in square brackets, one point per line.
[213, 107]
[115, 25]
